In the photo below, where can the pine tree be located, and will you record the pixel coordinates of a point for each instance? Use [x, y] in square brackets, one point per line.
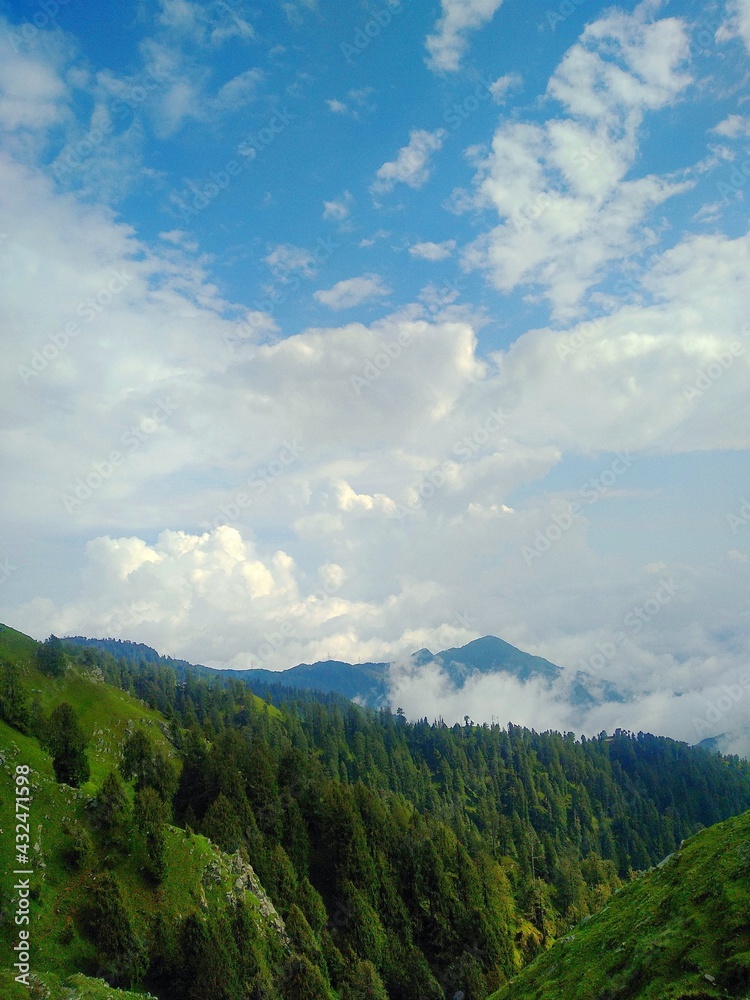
[110, 812]
[222, 825]
[301, 980]
[67, 744]
[14, 702]
[50, 657]
[150, 816]
[108, 923]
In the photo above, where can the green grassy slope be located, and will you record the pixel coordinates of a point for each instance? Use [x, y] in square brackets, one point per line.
[680, 931]
[199, 877]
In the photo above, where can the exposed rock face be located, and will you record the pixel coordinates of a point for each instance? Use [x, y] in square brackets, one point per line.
[247, 881]
[224, 868]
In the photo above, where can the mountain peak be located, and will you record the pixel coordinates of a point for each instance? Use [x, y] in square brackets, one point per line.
[489, 654]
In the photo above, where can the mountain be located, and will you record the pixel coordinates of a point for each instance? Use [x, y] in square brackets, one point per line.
[190, 841]
[681, 930]
[368, 683]
[488, 655]
[91, 909]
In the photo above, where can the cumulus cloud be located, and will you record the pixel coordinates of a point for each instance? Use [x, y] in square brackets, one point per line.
[449, 42]
[737, 24]
[204, 24]
[193, 475]
[504, 85]
[433, 251]
[358, 101]
[296, 10]
[352, 292]
[412, 164]
[562, 190]
[175, 71]
[287, 260]
[733, 126]
[338, 209]
[34, 97]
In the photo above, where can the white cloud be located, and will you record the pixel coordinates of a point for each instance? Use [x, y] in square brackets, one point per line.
[358, 99]
[370, 487]
[177, 81]
[352, 292]
[238, 91]
[399, 468]
[591, 85]
[339, 208]
[101, 160]
[285, 260]
[412, 164]
[369, 241]
[449, 42]
[560, 188]
[504, 85]
[433, 251]
[737, 24]
[733, 126]
[296, 10]
[204, 24]
[33, 94]
[643, 360]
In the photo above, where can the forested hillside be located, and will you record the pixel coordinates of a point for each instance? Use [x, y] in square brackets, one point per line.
[679, 931]
[399, 859]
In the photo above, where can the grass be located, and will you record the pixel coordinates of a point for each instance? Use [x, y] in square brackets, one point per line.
[60, 951]
[679, 931]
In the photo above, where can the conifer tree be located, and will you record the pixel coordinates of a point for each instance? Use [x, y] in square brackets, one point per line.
[50, 657]
[67, 744]
[110, 812]
[150, 816]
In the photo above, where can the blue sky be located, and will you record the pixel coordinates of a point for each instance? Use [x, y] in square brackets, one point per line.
[382, 325]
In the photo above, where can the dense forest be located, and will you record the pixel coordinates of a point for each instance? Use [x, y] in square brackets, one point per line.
[405, 859]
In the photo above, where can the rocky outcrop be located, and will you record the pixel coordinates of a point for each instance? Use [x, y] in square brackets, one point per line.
[234, 868]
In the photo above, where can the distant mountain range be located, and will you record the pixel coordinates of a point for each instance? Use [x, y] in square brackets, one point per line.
[368, 683]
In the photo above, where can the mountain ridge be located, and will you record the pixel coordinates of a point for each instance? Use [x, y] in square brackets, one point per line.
[404, 858]
[365, 682]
